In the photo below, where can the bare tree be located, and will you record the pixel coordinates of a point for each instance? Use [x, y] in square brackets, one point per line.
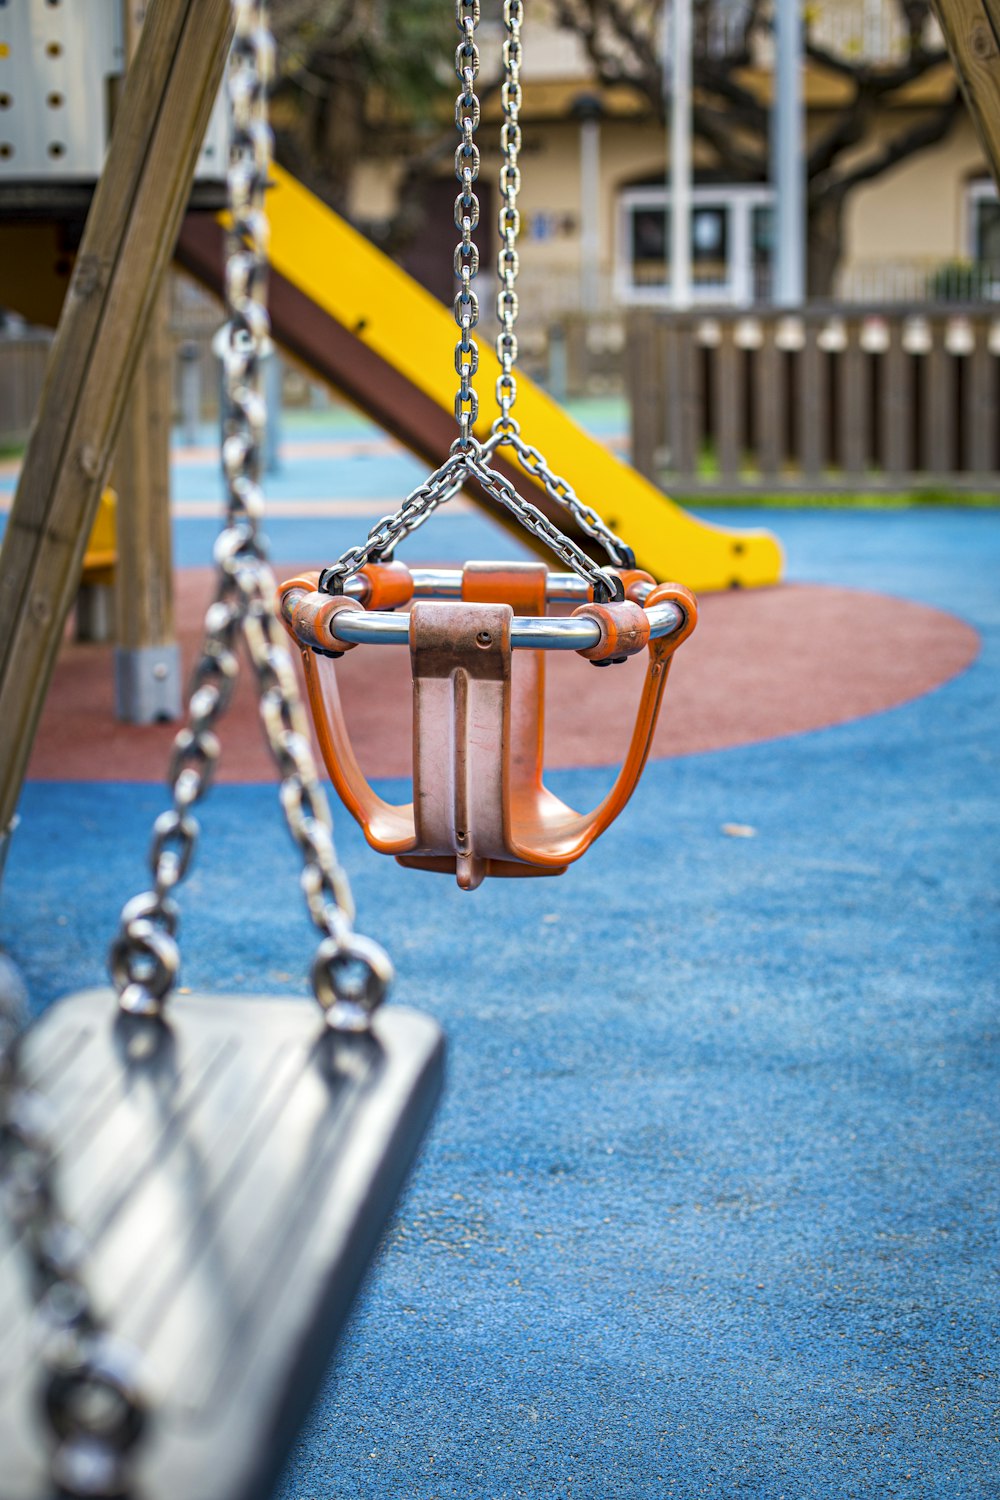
[355, 78]
[622, 40]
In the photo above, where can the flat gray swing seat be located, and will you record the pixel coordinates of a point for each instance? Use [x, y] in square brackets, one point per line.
[232, 1171]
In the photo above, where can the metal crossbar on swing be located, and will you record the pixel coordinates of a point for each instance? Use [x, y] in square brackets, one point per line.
[479, 803]
[192, 1188]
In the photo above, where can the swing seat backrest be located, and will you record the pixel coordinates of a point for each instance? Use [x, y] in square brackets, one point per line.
[480, 806]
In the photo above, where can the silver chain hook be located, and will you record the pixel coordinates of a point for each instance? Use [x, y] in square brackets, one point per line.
[350, 974]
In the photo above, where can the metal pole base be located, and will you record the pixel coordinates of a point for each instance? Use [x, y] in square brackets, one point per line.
[147, 684]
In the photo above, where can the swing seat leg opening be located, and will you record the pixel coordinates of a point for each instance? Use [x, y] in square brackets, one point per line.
[232, 1170]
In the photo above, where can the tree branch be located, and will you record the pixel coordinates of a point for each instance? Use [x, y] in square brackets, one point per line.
[917, 138]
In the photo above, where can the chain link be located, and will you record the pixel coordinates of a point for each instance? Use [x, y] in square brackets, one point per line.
[387, 533]
[606, 586]
[510, 219]
[92, 1398]
[468, 458]
[417, 508]
[562, 492]
[91, 1395]
[462, 465]
[349, 974]
[467, 115]
[505, 430]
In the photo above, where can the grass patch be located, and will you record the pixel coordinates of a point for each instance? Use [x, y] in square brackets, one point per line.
[872, 500]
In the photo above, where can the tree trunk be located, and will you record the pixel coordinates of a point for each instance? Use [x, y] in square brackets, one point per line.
[825, 242]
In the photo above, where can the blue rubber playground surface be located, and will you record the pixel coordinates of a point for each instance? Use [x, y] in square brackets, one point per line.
[710, 1205]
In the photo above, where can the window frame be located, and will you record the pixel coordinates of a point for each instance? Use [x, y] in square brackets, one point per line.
[739, 200]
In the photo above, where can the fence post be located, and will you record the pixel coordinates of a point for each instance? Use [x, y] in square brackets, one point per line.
[729, 403]
[897, 406]
[980, 406]
[814, 400]
[647, 394]
[769, 402]
[683, 406]
[854, 394]
[940, 400]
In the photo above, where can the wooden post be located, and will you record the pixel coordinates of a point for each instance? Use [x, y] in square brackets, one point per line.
[127, 244]
[647, 392]
[854, 396]
[147, 657]
[981, 405]
[814, 403]
[683, 399]
[940, 402]
[729, 404]
[897, 408]
[769, 404]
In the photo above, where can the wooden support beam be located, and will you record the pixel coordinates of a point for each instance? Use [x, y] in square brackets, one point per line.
[127, 244]
[972, 32]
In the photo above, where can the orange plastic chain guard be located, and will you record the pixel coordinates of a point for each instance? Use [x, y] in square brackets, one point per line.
[479, 803]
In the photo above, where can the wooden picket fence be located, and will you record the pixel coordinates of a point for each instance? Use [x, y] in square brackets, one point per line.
[830, 398]
[23, 357]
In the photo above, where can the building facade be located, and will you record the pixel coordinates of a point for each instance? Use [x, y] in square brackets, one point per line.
[595, 200]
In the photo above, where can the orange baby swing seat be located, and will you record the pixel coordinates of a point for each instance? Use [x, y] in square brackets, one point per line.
[480, 806]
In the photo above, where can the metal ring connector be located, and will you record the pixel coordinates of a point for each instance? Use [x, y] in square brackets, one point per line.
[350, 980]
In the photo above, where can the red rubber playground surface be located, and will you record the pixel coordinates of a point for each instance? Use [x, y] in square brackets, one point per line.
[761, 665]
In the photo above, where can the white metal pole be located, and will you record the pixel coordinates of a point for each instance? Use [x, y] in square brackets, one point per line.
[678, 59]
[590, 211]
[788, 164]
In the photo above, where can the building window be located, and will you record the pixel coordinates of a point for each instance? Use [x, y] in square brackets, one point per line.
[983, 219]
[730, 244]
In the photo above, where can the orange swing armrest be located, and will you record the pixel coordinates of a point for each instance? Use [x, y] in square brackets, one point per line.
[575, 833]
[387, 826]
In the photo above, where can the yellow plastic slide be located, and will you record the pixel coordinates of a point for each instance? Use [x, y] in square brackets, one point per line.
[340, 272]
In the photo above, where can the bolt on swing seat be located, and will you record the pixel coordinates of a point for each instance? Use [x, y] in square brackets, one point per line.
[480, 806]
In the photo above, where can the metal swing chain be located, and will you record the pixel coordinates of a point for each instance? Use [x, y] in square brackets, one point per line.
[350, 974]
[508, 262]
[467, 116]
[506, 431]
[90, 1393]
[442, 484]
[92, 1398]
[468, 458]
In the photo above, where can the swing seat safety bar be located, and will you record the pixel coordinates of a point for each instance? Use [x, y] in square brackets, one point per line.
[544, 633]
[480, 806]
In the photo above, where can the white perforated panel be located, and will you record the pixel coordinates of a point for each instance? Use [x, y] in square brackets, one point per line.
[57, 58]
[58, 63]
